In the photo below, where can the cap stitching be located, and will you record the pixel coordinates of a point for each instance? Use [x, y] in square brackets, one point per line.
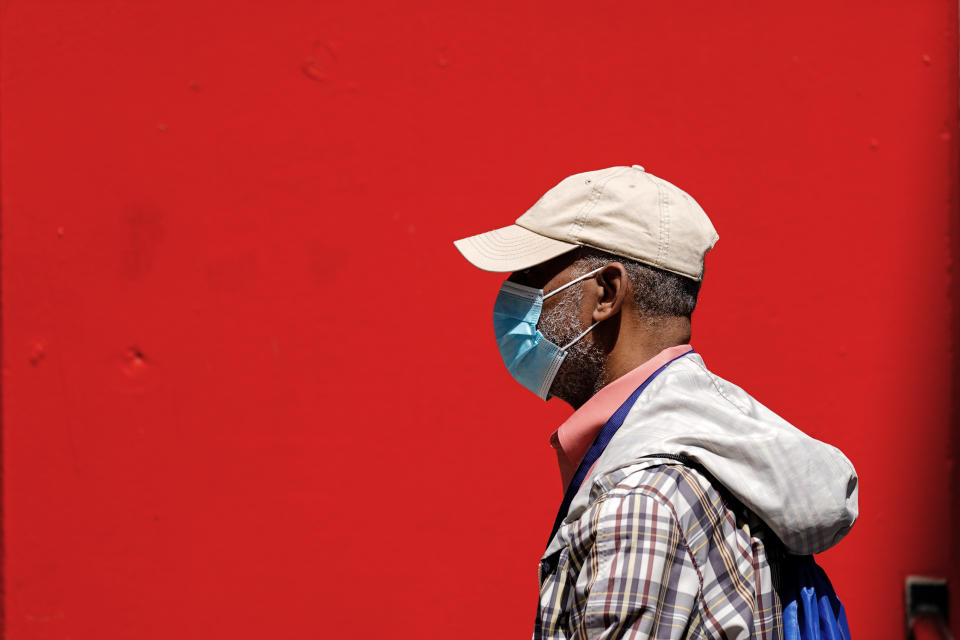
[536, 250]
[510, 242]
[585, 210]
[502, 239]
[644, 260]
[577, 225]
[661, 201]
[495, 249]
[693, 206]
[514, 262]
[658, 261]
[665, 221]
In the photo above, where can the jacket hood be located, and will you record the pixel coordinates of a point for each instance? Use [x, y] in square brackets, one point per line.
[803, 489]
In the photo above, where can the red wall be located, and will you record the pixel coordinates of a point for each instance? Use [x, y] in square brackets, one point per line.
[249, 386]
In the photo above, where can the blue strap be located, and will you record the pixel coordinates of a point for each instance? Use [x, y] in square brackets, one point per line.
[599, 444]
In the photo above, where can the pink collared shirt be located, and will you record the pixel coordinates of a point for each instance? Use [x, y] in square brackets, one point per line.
[577, 433]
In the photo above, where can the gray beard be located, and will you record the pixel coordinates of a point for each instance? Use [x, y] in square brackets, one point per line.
[581, 374]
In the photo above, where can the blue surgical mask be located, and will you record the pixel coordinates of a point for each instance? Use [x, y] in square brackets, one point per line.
[531, 359]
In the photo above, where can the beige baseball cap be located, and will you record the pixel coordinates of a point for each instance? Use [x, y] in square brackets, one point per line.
[625, 211]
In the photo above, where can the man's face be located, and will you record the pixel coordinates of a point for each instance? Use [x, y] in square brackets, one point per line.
[564, 317]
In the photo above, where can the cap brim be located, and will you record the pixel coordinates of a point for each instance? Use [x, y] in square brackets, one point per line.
[510, 249]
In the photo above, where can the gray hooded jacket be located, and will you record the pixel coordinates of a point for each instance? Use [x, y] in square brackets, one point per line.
[803, 489]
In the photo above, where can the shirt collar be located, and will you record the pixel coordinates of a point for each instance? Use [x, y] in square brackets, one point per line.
[574, 437]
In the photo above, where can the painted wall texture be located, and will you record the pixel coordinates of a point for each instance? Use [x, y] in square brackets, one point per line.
[250, 387]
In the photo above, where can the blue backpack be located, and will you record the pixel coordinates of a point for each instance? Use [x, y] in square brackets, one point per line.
[811, 609]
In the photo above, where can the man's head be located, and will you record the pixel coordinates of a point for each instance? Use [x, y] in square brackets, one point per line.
[637, 308]
[641, 239]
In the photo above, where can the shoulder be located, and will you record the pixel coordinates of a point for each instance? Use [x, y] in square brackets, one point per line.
[680, 487]
[664, 491]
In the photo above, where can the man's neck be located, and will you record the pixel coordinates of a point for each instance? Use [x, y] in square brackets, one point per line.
[643, 344]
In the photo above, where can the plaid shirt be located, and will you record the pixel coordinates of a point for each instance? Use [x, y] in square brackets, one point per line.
[659, 553]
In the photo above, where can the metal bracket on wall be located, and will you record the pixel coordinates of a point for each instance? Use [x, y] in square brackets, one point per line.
[927, 608]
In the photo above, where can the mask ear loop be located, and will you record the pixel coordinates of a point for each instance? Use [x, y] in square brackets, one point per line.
[574, 281]
[574, 341]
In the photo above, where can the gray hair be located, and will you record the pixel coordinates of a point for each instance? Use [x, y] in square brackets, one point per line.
[656, 292]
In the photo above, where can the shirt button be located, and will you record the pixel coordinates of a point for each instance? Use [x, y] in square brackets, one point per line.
[545, 565]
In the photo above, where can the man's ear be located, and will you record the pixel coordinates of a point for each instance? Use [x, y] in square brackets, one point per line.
[614, 286]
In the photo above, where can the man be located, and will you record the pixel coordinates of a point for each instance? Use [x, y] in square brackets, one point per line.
[683, 496]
